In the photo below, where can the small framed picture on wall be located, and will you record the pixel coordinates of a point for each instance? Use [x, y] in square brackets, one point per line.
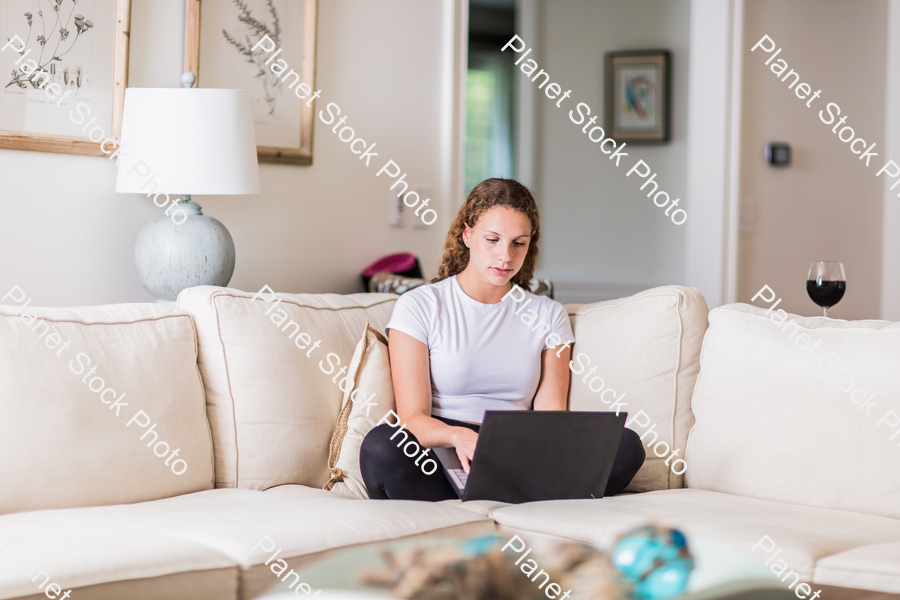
[637, 105]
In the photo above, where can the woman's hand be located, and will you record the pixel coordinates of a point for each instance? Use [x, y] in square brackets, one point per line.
[464, 440]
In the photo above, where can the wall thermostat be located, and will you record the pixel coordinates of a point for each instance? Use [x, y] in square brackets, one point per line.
[778, 154]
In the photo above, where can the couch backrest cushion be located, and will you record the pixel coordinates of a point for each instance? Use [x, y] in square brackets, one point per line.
[67, 444]
[646, 349]
[798, 412]
[273, 405]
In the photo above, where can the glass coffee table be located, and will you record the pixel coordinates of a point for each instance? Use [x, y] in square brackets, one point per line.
[721, 573]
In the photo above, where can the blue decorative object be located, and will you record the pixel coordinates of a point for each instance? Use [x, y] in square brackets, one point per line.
[655, 560]
[480, 545]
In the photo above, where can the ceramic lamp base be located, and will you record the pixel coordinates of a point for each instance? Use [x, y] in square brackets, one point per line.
[170, 257]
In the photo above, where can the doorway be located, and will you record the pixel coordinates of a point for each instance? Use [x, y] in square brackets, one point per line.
[490, 93]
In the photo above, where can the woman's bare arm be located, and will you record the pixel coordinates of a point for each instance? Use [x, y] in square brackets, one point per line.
[553, 389]
[411, 375]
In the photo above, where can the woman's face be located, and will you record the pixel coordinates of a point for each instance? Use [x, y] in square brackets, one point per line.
[498, 244]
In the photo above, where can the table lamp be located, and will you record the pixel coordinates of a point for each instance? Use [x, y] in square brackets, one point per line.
[185, 142]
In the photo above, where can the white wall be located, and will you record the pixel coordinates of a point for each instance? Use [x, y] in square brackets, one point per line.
[599, 228]
[827, 205]
[67, 238]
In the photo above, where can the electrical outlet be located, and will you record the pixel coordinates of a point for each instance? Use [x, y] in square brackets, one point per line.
[423, 193]
[396, 210]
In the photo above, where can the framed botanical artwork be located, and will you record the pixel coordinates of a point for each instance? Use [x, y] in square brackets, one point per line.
[637, 103]
[269, 48]
[64, 73]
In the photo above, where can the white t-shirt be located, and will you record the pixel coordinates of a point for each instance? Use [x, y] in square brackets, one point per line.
[483, 356]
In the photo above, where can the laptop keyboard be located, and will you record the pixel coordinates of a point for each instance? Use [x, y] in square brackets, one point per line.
[459, 477]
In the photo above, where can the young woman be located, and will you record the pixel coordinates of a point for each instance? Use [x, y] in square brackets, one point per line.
[457, 349]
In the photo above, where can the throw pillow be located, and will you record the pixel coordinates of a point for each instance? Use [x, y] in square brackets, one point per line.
[366, 401]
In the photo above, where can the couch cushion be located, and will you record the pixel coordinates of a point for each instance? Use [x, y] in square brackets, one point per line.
[373, 391]
[804, 534]
[208, 530]
[85, 547]
[298, 519]
[271, 404]
[646, 348]
[781, 422]
[70, 445]
[207, 584]
[875, 567]
[480, 507]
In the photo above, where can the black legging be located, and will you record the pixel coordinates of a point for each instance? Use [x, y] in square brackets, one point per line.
[388, 473]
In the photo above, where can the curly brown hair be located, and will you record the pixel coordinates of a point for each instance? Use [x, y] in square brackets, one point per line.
[488, 194]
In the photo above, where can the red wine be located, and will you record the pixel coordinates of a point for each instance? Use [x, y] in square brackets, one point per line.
[826, 293]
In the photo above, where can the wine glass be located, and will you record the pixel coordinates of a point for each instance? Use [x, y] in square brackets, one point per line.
[826, 283]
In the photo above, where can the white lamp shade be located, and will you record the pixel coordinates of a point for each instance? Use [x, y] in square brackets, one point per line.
[190, 141]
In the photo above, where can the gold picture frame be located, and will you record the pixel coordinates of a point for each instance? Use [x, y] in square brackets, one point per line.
[116, 31]
[215, 59]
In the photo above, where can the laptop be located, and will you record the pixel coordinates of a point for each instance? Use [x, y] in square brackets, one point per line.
[527, 456]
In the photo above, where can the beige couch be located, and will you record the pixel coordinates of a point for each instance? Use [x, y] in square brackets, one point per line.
[777, 449]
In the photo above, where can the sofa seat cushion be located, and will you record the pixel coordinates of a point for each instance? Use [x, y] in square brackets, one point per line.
[875, 567]
[272, 367]
[805, 535]
[208, 584]
[301, 491]
[84, 547]
[206, 530]
[479, 507]
[299, 520]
